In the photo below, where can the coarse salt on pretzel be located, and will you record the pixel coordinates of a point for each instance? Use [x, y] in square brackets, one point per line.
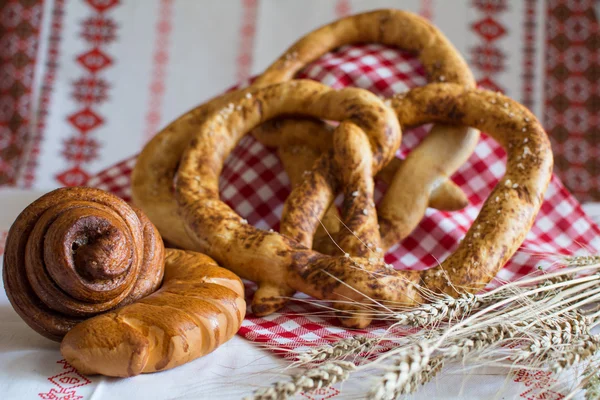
[510, 209]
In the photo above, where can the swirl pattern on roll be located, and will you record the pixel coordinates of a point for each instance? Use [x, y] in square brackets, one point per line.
[79, 252]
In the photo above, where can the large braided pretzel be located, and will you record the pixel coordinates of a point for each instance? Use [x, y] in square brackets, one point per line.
[176, 178]
[300, 142]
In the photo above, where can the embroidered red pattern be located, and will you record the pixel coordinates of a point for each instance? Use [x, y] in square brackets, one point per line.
[98, 29]
[342, 8]
[30, 157]
[529, 47]
[487, 58]
[89, 91]
[539, 384]
[65, 384]
[160, 61]
[426, 9]
[572, 94]
[20, 23]
[246, 42]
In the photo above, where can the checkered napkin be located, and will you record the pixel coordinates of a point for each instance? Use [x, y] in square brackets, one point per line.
[254, 184]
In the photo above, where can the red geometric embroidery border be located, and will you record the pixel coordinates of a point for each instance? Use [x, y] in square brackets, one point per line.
[20, 26]
[487, 58]
[66, 384]
[572, 94]
[426, 9]
[246, 39]
[342, 8]
[160, 60]
[27, 176]
[529, 50]
[89, 91]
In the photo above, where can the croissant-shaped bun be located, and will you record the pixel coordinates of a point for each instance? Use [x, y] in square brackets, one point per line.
[198, 307]
[78, 252]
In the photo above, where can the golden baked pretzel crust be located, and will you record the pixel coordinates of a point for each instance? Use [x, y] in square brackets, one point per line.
[510, 210]
[300, 142]
[176, 177]
[390, 27]
[281, 266]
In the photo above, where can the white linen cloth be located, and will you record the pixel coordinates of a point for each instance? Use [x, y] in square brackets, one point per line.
[30, 365]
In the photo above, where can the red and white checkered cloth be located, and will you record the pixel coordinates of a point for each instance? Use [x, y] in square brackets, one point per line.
[254, 184]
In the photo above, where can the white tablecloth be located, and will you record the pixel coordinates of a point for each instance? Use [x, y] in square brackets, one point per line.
[31, 368]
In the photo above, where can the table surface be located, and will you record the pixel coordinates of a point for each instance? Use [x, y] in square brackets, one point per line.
[31, 367]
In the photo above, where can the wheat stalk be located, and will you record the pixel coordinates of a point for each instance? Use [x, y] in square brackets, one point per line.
[580, 350]
[322, 376]
[554, 333]
[592, 386]
[478, 340]
[550, 312]
[450, 308]
[404, 374]
[460, 348]
[428, 372]
[340, 349]
[443, 309]
[580, 261]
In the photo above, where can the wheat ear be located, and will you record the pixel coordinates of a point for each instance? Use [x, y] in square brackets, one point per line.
[340, 349]
[578, 351]
[447, 308]
[321, 376]
[592, 387]
[407, 367]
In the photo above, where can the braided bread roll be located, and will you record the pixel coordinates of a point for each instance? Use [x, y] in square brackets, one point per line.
[198, 307]
[78, 252]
